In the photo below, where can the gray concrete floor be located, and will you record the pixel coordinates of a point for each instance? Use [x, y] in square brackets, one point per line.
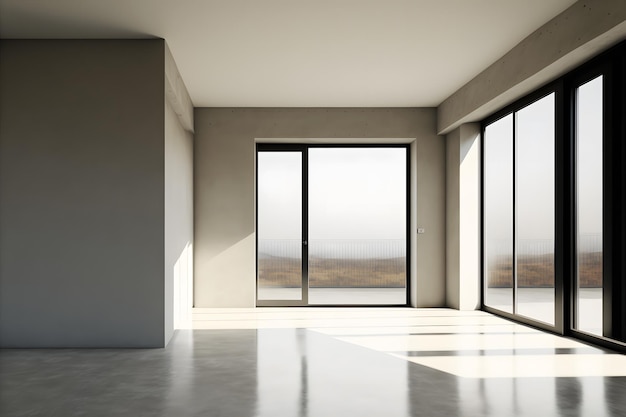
[324, 362]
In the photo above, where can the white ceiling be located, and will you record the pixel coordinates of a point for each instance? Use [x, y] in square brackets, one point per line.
[297, 53]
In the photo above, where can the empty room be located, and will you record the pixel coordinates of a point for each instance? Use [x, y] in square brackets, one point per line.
[325, 208]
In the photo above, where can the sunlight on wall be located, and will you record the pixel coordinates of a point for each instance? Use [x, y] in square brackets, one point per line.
[183, 288]
[469, 218]
[224, 274]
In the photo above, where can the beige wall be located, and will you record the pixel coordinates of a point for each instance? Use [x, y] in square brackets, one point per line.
[224, 154]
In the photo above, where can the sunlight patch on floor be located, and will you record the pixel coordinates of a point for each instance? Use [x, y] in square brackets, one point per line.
[470, 344]
[531, 366]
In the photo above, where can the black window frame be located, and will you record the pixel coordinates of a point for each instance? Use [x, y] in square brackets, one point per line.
[610, 64]
[556, 88]
[304, 147]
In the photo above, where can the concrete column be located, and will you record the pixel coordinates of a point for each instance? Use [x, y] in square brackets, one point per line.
[463, 217]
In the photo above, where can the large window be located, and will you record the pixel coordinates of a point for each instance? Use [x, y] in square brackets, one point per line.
[519, 194]
[534, 209]
[332, 225]
[279, 243]
[554, 194]
[589, 197]
[498, 206]
[357, 225]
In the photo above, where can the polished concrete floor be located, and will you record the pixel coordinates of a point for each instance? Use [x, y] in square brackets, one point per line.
[324, 362]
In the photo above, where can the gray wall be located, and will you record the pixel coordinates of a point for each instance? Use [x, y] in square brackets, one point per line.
[224, 153]
[81, 193]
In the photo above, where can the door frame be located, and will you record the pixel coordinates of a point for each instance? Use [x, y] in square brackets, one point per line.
[303, 148]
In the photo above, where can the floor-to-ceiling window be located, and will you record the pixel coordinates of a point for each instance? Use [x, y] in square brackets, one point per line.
[498, 207]
[519, 204]
[534, 209]
[554, 190]
[332, 225]
[588, 145]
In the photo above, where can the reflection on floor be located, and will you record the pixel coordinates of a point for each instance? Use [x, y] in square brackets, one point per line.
[324, 362]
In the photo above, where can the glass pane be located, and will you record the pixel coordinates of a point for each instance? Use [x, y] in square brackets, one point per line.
[534, 208]
[357, 225]
[589, 206]
[498, 214]
[279, 208]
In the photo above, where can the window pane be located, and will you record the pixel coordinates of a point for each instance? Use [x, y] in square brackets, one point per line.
[498, 214]
[534, 209]
[589, 206]
[279, 226]
[357, 225]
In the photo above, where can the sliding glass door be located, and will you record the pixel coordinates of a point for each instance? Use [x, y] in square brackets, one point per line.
[357, 226]
[331, 225]
[519, 211]
[554, 231]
